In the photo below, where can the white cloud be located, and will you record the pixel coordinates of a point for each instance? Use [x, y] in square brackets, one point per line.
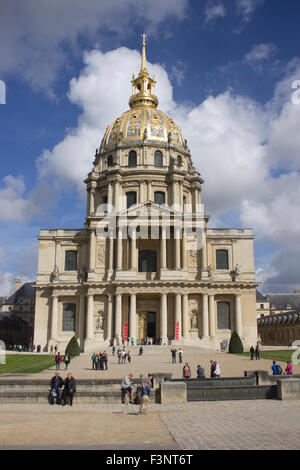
[213, 11]
[259, 53]
[34, 35]
[246, 8]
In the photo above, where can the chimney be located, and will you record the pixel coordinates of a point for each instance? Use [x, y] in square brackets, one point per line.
[17, 284]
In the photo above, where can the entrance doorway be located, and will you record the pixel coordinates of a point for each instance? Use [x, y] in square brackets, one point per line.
[147, 325]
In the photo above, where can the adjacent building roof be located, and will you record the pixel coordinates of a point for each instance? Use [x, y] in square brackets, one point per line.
[281, 301]
[260, 297]
[26, 291]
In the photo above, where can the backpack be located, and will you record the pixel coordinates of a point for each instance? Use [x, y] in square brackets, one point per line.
[279, 369]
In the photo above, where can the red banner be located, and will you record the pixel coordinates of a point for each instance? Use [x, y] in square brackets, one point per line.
[125, 331]
[177, 331]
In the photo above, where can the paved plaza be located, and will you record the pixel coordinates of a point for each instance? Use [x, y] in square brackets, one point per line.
[255, 424]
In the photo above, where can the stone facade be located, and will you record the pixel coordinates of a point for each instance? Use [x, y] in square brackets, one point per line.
[133, 265]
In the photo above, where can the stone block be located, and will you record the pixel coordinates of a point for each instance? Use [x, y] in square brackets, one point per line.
[288, 389]
[171, 392]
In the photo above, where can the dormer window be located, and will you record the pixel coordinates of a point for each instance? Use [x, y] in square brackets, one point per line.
[110, 161]
[158, 158]
[132, 159]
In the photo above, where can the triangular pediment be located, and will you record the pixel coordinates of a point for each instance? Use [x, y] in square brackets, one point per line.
[149, 208]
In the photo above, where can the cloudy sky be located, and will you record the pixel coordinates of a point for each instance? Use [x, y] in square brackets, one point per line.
[228, 72]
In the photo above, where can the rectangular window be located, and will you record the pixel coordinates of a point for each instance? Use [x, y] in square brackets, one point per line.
[222, 259]
[223, 311]
[71, 260]
[69, 314]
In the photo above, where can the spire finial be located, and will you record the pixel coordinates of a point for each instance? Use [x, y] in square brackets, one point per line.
[143, 66]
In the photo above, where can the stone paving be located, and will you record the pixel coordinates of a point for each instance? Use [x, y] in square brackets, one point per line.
[259, 424]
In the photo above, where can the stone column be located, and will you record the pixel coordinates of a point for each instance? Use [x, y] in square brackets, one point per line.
[132, 317]
[116, 195]
[133, 251]
[205, 315]
[177, 314]
[120, 250]
[149, 191]
[185, 316]
[92, 200]
[184, 250]
[54, 318]
[109, 317]
[177, 249]
[118, 318]
[204, 253]
[238, 315]
[111, 254]
[109, 193]
[164, 316]
[163, 249]
[90, 317]
[92, 251]
[81, 317]
[212, 327]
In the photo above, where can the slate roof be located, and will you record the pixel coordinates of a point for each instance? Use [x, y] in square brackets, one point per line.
[26, 291]
[282, 300]
[260, 297]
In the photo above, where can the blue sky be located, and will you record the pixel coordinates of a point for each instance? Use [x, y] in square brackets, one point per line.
[224, 70]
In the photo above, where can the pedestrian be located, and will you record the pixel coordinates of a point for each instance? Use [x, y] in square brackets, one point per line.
[56, 386]
[186, 372]
[180, 355]
[147, 384]
[257, 352]
[93, 361]
[119, 356]
[67, 361]
[113, 350]
[126, 388]
[141, 350]
[200, 372]
[105, 359]
[212, 368]
[276, 368]
[51, 349]
[55, 348]
[252, 351]
[173, 352]
[129, 357]
[289, 368]
[123, 356]
[69, 389]
[217, 372]
[57, 360]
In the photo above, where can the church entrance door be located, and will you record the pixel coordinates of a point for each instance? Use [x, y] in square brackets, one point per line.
[147, 325]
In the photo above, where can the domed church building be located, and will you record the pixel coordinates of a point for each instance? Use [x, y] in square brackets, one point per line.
[145, 265]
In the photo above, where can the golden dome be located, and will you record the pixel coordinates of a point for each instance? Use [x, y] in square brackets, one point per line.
[143, 121]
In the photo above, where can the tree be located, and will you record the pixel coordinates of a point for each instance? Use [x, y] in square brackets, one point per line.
[73, 348]
[235, 344]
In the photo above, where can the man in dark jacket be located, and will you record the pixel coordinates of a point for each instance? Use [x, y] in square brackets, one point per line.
[69, 389]
[56, 386]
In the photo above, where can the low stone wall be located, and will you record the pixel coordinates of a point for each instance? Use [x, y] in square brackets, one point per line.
[288, 389]
[173, 392]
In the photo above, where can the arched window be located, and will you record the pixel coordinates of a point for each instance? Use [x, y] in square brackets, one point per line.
[110, 160]
[159, 197]
[71, 260]
[222, 259]
[179, 160]
[132, 160]
[131, 198]
[68, 319]
[223, 309]
[147, 261]
[158, 158]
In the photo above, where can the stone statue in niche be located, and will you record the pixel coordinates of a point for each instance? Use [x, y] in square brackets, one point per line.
[83, 274]
[210, 270]
[100, 321]
[235, 272]
[55, 274]
[194, 321]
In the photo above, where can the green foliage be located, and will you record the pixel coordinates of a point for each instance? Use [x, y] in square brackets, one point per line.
[235, 344]
[73, 348]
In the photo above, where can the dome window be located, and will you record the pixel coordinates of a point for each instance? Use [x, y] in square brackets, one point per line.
[179, 160]
[159, 197]
[110, 161]
[158, 158]
[132, 159]
[131, 198]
